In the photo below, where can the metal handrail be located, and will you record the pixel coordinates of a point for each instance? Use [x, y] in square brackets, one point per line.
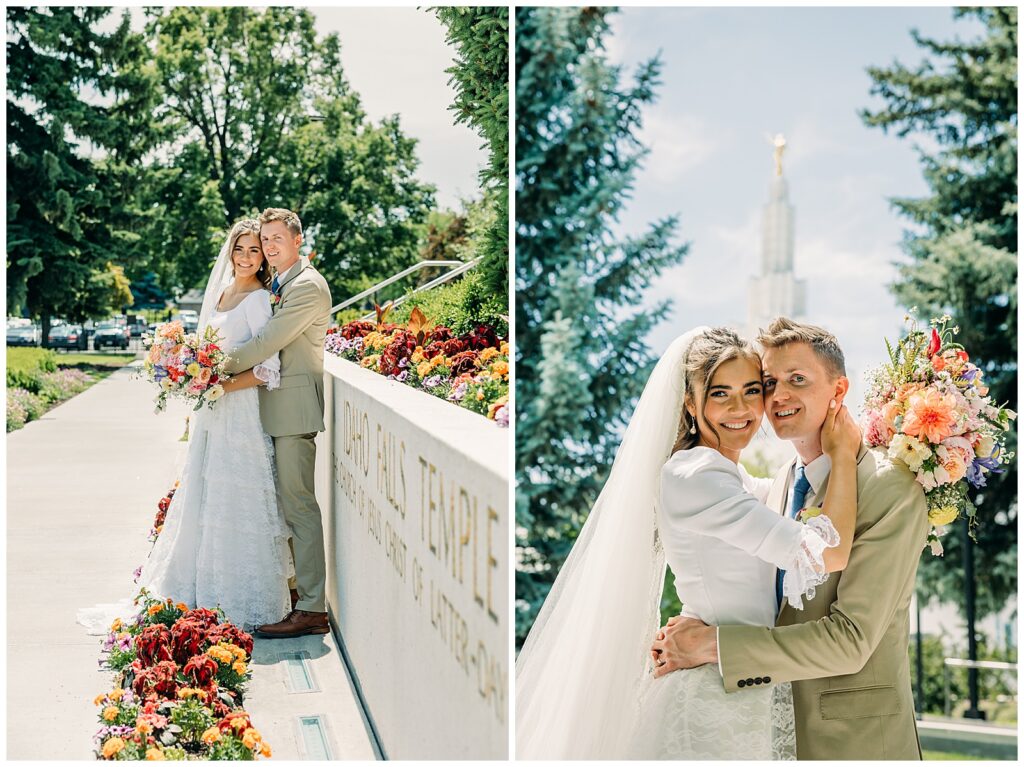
[394, 278]
[965, 663]
[441, 280]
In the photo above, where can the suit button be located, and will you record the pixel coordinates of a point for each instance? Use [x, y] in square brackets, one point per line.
[741, 683]
[750, 682]
[767, 680]
[759, 680]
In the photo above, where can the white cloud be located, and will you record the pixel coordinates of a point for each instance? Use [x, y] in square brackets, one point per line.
[678, 143]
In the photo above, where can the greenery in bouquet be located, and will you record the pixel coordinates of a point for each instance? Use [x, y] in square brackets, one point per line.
[184, 365]
[929, 406]
[470, 370]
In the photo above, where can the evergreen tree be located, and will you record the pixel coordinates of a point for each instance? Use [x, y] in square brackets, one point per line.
[480, 76]
[962, 249]
[60, 235]
[581, 357]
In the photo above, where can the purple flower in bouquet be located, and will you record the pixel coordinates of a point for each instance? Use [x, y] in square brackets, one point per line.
[431, 382]
[501, 416]
[159, 373]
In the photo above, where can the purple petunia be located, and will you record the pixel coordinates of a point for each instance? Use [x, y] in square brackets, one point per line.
[431, 382]
[501, 416]
[402, 376]
[404, 362]
[456, 394]
[136, 574]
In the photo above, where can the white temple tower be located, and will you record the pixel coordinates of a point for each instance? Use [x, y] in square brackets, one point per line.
[776, 291]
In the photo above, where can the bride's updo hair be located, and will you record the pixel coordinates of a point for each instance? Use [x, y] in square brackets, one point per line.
[249, 226]
[706, 354]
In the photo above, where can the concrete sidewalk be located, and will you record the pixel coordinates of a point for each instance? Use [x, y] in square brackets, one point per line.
[83, 483]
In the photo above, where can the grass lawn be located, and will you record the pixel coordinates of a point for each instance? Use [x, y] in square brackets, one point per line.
[948, 756]
[102, 363]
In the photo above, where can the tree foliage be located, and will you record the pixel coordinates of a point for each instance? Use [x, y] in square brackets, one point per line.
[581, 354]
[480, 76]
[962, 247]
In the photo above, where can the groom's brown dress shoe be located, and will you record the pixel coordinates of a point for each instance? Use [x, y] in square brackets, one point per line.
[295, 597]
[298, 623]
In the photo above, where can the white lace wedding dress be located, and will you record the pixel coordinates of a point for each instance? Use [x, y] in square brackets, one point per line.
[224, 542]
[723, 546]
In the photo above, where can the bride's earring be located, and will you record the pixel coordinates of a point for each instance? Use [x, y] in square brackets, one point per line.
[693, 429]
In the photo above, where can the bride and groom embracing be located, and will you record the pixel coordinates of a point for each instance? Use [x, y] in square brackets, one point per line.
[792, 641]
[243, 531]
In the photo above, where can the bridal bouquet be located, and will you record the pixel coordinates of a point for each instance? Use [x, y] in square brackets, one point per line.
[930, 407]
[185, 366]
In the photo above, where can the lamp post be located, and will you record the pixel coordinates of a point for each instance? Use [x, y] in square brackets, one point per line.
[972, 712]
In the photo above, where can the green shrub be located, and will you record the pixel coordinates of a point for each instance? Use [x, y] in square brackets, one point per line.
[25, 365]
[460, 306]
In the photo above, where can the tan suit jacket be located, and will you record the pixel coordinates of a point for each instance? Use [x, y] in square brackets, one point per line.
[846, 652]
[296, 331]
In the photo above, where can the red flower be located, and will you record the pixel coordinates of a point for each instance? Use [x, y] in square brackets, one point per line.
[236, 721]
[188, 638]
[201, 669]
[357, 329]
[202, 616]
[400, 349]
[936, 343]
[463, 362]
[482, 338]
[153, 645]
[203, 358]
[441, 333]
[160, 680]
[227, 632]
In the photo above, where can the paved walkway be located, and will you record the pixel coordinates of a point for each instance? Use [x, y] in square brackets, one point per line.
[83, 483]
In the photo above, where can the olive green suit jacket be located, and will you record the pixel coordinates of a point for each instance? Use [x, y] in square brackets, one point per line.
[846, 651]
[296, 332]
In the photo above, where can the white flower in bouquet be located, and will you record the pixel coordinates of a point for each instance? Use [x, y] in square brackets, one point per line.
[910, 450]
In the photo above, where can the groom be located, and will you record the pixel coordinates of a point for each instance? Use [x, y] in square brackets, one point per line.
[846, 651]
[293, 412]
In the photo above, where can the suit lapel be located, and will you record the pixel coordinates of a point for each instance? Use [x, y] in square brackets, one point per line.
[777, 501]
[293, 273]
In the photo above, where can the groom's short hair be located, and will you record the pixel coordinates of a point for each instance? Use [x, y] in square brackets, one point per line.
[290, 219]
[783, 331]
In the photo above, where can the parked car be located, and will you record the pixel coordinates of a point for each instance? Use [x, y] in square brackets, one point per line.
[22, 334]
[189, 320]
[111, 333]
[68, 337]
[138, 327]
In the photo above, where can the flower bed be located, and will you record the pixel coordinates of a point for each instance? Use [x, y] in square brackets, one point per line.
[35, 383]
[179, 680]
[470, 370]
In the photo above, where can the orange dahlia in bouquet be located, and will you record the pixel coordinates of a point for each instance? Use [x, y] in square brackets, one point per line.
[184, 365]
[930, 408]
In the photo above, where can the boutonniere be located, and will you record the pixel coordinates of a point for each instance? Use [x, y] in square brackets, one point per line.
[809, 513]
[275, 299]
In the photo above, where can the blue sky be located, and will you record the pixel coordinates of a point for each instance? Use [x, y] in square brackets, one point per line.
[733, 77]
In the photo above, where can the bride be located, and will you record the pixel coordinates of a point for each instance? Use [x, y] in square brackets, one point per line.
[676, 492]
[225, 543]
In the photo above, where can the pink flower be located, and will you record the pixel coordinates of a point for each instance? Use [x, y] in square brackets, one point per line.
[876, 430]
[930, 416]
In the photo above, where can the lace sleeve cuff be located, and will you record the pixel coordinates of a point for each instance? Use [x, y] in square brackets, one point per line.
[807, 571]
[269, 375]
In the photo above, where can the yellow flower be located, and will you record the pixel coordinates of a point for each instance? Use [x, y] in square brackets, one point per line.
[238, 651]
[417, 356]
[500, 368]
[154, 609]
[239, 667]
[154, 755]
[811, 511]
[110, 713]
[116, 625]
[942, 515]
[369, 362]
[112, 747]
[423, 369]
[219, 654]
[166, 384]
[143, 728]
[116, 694]
[182, 606]
[489, 353]
[250, 738]
[193, 369]
[211, 736]
[265, 750]
[504, 347]
[98, 699]
[239, 723]
[189, 692]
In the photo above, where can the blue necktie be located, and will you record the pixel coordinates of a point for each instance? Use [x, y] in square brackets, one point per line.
[800, 488]
[275, 286]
